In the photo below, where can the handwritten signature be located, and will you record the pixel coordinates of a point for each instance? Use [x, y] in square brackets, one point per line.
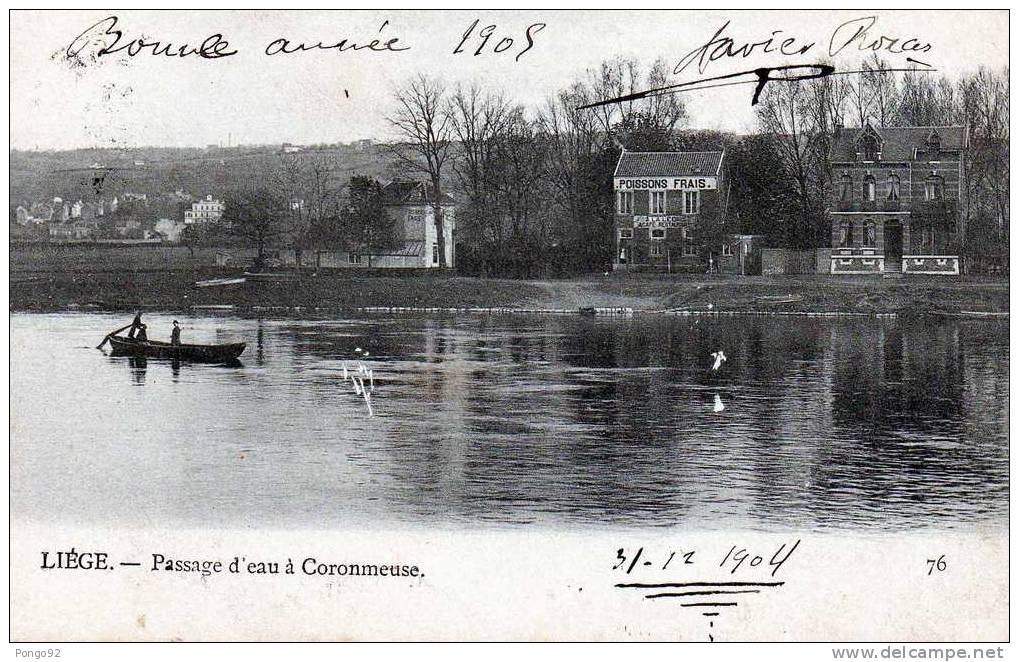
[857, 32]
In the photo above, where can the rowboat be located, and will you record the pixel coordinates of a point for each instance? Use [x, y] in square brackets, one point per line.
[163, 350]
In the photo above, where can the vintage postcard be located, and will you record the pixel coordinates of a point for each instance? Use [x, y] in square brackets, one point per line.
[510, 325]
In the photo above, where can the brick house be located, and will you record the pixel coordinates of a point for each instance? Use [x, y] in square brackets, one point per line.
[661, 200]
[898, 199]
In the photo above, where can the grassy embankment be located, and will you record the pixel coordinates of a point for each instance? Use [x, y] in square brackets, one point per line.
[48, 278]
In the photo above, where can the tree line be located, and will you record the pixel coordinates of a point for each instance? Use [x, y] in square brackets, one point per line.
[534, 184]
[798, 123]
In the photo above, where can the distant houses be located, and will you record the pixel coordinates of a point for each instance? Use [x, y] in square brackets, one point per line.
[127, 216]
[208, 210]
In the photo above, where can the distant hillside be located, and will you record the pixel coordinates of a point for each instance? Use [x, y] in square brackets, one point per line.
[37, 176]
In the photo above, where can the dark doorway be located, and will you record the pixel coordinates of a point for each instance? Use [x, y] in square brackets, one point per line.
[893, 247]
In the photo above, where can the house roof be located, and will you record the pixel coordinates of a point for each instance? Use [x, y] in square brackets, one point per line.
[668, 164]
[411, 193]
[408, 249]
[899, 143]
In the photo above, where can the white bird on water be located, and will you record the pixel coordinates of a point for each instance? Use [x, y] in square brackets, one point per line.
[719, 406]
[357, 379]
[719, 357]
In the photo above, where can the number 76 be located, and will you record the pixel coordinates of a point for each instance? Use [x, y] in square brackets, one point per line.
[936, 564]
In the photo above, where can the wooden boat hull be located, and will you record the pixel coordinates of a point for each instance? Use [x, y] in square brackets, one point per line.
[163, 350]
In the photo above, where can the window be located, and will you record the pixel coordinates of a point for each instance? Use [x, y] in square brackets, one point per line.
[846, 189]
[691, 202]
[624, 202]
[689, 248]
[870, 236]
[934, 188]
[657, 202]
[726, 250]
[435, 252]
[933, 145]
[626, 233]
[354, 258]
[893, 187]
[656, 248]
[846, 234]
[870, 148]
[868, 188]
[658, 233]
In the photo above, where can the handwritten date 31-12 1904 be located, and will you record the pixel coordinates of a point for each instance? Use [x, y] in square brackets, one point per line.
[736, 558]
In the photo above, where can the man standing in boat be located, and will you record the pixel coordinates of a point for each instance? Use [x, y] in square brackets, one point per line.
[136, 325]
[175, 334]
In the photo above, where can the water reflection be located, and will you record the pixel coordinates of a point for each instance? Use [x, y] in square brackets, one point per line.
[809, 423]
[139, 364]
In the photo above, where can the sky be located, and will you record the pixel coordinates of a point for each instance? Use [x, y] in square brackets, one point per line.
[326, 96]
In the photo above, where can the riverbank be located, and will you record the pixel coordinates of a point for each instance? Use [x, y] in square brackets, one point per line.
[174, 288]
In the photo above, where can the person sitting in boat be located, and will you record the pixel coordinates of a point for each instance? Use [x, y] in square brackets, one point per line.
[136, 325]
[175, 334]
[142, 335]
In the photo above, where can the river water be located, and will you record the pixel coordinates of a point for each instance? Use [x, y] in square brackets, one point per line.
[861, 424]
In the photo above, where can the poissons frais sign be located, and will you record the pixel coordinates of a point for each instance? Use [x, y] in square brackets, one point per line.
[665, 183]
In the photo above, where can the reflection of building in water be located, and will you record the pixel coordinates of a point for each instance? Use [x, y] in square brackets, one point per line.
[903, 378]
[904, 410]
[139, 365]
[523, 419]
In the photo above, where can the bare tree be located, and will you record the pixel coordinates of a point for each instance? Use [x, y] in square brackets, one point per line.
[872, 94]
[258, 215]
[518, 168]
[924, 101]
[827, 101]
[422, 120]
[572, 141]
[479, 120]
[637, 124]
[365, 226]
[287, 179]
[786, 112]
[984, 102]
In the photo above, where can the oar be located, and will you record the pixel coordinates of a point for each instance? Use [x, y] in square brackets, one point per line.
[113, 333]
